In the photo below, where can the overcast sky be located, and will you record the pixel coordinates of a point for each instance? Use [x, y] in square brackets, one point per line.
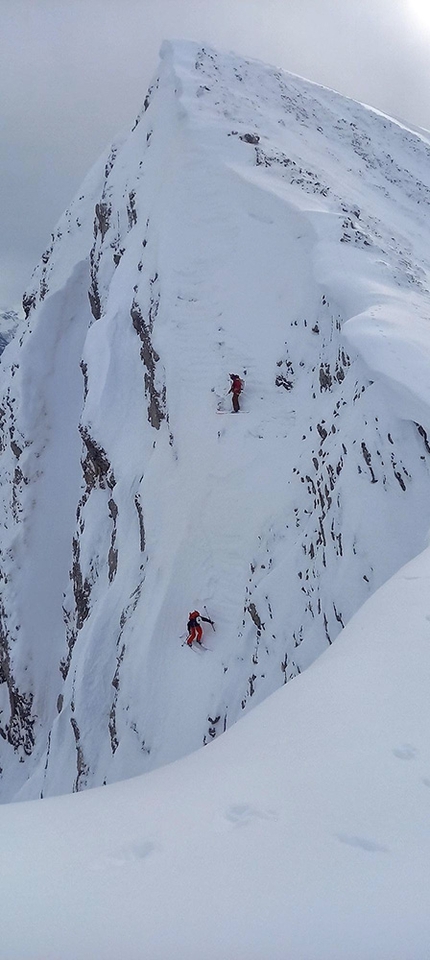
[73, 74]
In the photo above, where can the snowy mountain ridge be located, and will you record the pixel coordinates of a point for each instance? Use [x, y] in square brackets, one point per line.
[255, 222]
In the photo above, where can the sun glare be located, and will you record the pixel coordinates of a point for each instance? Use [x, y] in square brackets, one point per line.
[420, 10]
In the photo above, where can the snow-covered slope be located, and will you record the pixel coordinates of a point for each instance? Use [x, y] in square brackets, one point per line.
[251, 222]
[303, 833]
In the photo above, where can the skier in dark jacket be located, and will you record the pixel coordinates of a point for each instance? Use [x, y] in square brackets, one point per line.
[195, 631]
[235, 390]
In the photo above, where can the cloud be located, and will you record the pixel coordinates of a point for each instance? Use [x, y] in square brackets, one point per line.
[74, 73]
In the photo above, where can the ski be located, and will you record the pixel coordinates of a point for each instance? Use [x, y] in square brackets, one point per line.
[194, 645]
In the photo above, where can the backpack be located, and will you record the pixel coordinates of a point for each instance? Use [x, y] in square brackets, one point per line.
[192, 622]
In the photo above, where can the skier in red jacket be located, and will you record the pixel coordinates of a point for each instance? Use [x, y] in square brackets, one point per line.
[235, 390]
[195, 631]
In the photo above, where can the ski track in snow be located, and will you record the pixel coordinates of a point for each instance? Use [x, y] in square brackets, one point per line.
[253, 223]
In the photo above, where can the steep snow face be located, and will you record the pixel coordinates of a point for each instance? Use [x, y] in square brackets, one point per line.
[252, 223]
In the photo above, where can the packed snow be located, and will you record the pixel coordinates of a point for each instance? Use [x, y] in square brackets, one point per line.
[256, 223]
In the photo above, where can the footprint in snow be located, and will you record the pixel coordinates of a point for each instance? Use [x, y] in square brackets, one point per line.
[405, 752]
[370, 845]
[122, 858]
[241, 813]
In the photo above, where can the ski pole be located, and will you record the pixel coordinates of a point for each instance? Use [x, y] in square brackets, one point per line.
[209, 618]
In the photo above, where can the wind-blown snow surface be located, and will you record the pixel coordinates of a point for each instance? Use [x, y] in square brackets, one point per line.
[256, 223]
[302, 834]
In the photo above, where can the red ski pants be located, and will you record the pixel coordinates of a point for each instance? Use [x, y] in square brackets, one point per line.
[196, 633]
